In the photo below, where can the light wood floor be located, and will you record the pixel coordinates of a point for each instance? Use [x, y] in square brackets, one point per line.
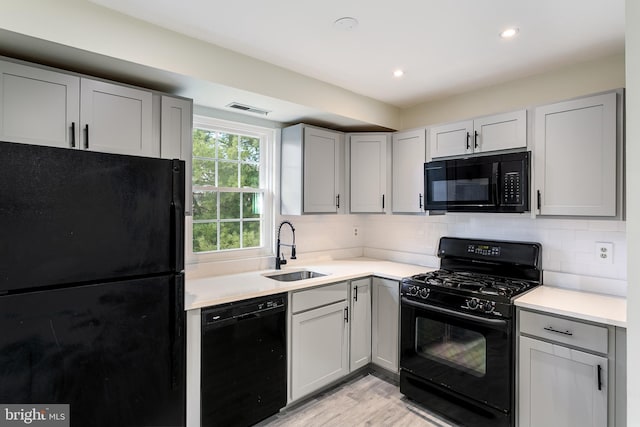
[363, 401]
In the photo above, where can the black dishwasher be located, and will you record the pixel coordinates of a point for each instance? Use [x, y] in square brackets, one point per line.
[244, 361]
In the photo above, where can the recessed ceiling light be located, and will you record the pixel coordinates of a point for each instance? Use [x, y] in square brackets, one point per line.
[346, 24]
[398, 73]
[509, 33]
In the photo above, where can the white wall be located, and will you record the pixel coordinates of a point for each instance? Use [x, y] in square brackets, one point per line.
[569, 82]
[633, 208]
[84, 25]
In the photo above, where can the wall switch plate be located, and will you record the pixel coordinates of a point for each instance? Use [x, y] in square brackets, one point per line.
[604, 252]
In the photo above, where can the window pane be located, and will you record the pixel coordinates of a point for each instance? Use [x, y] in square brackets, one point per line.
[249, 176]
[232, 219]
[204, 172]
[250, 149]
[205, 237]
[251, 205]
[205, 205]
[251, 234]
[229, 235]
[228, 174]
[204, 143]
[228, 146]
[230, 205]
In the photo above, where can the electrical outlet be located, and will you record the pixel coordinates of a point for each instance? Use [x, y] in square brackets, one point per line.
[355, 231]
[604, 252]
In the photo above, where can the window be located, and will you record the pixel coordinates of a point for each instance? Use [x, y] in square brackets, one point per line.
[230, 187]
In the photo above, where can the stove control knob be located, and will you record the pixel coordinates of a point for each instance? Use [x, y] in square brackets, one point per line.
[413, 291]
[472, 303]
[424, 293]
[488, 306]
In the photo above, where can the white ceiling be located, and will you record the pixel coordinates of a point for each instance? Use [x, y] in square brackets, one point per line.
[444, 46]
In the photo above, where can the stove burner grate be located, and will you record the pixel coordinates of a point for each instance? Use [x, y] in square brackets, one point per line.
[473, 282]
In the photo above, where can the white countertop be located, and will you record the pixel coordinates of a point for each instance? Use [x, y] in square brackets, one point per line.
[208, 291]
[610, 310]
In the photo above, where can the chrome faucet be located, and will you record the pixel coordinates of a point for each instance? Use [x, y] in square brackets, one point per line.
[282, 261]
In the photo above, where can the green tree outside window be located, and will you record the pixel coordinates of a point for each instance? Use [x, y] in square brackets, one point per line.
[227, 194]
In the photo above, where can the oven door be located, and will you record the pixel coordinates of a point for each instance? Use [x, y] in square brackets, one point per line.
[462, 352]
[462, 184]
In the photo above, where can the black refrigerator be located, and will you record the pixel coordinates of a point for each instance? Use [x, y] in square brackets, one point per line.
[92, 285]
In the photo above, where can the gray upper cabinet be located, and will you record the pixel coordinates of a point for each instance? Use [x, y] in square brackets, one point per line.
[575, 157]
[451, 139]
[45, 107]
[116, 119]
[368, 161]
[409, 155]
[38, 106]
[485, 134]
[311, 180]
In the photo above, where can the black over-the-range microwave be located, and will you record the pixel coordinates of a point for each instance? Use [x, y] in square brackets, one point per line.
[494, 183]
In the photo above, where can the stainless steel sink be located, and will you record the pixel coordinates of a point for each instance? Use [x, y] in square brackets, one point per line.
[295, 275]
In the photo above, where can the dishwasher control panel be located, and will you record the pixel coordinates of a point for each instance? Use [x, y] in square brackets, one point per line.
[242, 309]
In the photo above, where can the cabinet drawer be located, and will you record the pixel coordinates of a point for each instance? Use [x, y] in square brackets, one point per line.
[317, 297]
[575, 333]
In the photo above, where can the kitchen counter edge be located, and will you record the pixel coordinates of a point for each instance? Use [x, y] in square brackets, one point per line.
[589, 306]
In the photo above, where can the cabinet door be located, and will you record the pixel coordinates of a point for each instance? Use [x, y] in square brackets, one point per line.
[38, 106]
[360, 348]
[451, 139]
[116, 119]
[409, 155]
[575, 157]
[500, 131]
[368, 173]
[319, 344]
[176, 136]
[321, 171]
[386, 314]
[561, 387]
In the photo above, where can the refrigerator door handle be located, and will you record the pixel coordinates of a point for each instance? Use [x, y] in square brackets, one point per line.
[178, 338]
[177, 215]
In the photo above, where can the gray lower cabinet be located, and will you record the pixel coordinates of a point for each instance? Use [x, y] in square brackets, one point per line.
[360, 318]
[339, 328]
[566, 372]
[385, 323]
[319, 338]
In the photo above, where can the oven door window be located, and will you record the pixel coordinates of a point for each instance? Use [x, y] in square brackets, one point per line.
[452, 345]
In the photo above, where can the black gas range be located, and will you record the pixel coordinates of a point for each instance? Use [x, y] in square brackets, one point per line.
[458, 329]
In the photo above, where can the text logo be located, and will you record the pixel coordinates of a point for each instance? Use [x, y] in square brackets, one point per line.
[41, 415]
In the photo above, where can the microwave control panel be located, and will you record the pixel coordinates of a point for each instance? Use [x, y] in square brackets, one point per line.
[512, 185]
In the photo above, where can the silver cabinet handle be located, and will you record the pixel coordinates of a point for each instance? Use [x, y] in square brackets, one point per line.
[552, 329]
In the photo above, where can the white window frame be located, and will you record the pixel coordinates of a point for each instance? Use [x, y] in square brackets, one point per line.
[267, 180]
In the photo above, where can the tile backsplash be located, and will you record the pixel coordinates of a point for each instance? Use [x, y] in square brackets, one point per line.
[568, 245]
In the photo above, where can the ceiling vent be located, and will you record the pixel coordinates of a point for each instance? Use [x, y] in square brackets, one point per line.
[248, 108]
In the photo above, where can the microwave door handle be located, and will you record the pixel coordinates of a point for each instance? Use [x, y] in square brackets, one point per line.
[496, 184]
